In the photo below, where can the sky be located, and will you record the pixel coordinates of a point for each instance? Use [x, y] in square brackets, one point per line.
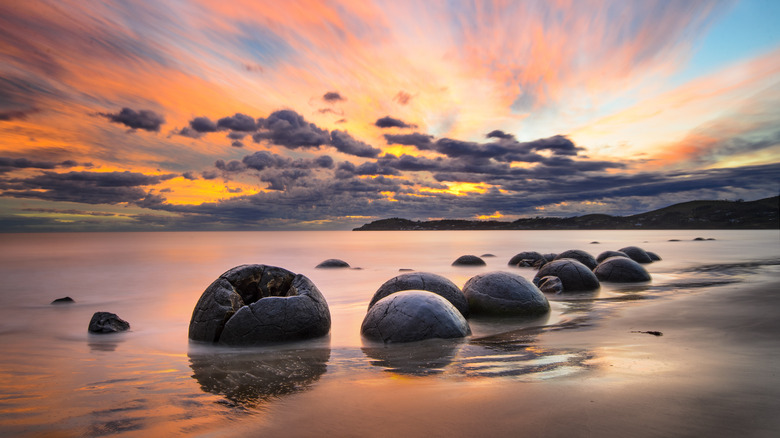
[267, 115]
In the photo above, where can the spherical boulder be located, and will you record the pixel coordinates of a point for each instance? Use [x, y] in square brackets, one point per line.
[468, 260]
[574, 275]
[636, 254]
[581, 256]
[332, 263]
[621, 270]
[257, 304]
[531, 256]
[550, 284]
[505, 294]
[413, 316]
[107, 322]
[424, 281]
[653, 256]
[607, 254]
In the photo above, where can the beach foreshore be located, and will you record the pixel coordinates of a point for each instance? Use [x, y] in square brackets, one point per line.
[713, 371]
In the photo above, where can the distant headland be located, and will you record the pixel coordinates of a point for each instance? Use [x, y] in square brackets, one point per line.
[710, 215]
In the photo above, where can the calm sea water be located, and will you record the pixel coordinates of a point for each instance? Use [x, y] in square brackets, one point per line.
[56, 379]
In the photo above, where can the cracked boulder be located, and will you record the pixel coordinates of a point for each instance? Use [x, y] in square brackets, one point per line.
[530, 257]
[424, 281]
[637, 254]
[504, 294]
[410, 316]
[621, 270]
[573, 275]
[581, 256]
[257, 304]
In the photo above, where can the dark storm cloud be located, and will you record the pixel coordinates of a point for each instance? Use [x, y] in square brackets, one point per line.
[557, 144]
[343, 142]
[289, 129]
[422, 142]
[236, 135]
[333, 96]
[7, 164]
[390, 122]
[500, 134]
[348, 170]
[147, 120]
[230, 167]
[237, 122]
[237, 144]
[324, 161]
[263, 160]
[203, 124]
[86, 187]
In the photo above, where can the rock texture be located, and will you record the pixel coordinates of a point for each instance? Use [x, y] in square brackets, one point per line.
[468, 260]
[256, 304]
[636, 254]
[424, 281]
[607, 254]
[505, 294]
[573, 275]
[581, 256]
[332, 263]
[530, 256]
[413, 316]
[621, 270]
[550, 285]
[107, 322]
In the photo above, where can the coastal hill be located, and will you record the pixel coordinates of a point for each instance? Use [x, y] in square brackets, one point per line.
[759, 214]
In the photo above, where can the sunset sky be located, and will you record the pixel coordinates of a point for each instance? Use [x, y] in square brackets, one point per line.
[222, 115]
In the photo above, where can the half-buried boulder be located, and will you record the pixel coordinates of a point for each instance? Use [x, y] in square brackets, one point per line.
[637, 254]
[607, 254]
[653, 256]
[332, 263]
[107, 322]
[424, 281]
[531, 256]
[579, 255]
[573, 275]
[468, 260]
[504, 294]
[621, 270]
[257, 304]
[410, 316]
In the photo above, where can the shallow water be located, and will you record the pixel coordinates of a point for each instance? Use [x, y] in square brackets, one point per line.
[55, 378]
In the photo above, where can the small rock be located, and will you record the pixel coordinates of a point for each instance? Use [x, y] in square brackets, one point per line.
[488, 255]
[333, 263]
[468, 260]
[63, 300]
[106, 322]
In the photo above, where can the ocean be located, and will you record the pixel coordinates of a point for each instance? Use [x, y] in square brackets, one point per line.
[587, 362]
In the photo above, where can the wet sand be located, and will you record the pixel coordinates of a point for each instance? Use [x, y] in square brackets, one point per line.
[713, 372]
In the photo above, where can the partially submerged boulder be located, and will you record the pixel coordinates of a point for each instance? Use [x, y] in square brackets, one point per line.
[621, 270]
[653, 256]
[505, 294]
[607, 254]
[64, 300]
[424, 281]
[531, 256]
[577, 254]
[636, 254]
[332, 263]
[107, 322]
[413, 316]
[468, 260]
[550, 284]
[573, 275]
[257, 304]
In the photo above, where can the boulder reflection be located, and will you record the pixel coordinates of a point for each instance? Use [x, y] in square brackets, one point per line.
[420, 358]
[249, 378]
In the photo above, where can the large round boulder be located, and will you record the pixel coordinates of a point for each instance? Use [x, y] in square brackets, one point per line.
[468, 260]
[257, 304]
[637, 254]
[413, 316]
[504, 294]
[621, 270]
[424, 281]
[530, 256]
[581, 256]
[607, 254]
[573, 275]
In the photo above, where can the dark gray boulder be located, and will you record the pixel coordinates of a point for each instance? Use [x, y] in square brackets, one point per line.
[531, 256]
[621, 270]
[550, 284]
[107, 322]
[424, 281]
[573, 275]
[257, 304]
[504, 294]
[332, 263]
[653, 256]
[410, 316]
[468, 260]
[607, 254]
[636, 254]
[64, 300]
[487, 255]
[577, 254]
